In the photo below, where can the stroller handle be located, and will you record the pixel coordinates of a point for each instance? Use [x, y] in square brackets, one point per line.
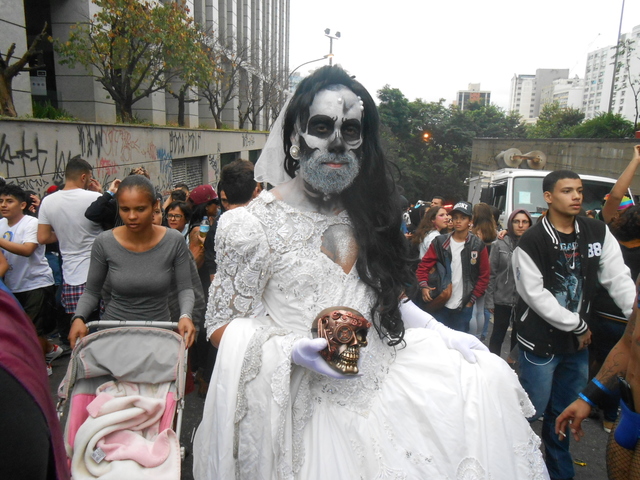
[131, 323]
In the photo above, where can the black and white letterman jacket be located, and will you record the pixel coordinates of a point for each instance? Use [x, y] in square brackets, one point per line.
[544, 326]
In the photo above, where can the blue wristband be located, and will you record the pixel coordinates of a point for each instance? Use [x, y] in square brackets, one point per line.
[586, 399]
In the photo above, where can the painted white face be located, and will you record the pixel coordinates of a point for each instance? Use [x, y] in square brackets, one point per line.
[335, 120]
[332, 136]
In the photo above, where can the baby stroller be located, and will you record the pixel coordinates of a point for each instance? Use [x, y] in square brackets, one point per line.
[123, 388]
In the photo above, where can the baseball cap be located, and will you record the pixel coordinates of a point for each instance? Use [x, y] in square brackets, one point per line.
[463, 207]
[203, 194]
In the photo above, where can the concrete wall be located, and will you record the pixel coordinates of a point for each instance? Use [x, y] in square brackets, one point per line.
[34, 153]
[607, 158]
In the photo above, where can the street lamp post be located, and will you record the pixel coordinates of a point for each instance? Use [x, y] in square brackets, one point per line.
[329, 55]
[336, 36]
[327, 33]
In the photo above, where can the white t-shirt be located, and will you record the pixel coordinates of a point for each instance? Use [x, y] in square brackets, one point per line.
[64, 211]
[456, 274]
[25, 273]
[426, 242]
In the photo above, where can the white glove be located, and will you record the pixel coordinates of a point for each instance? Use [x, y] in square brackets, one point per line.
[306, 353]
[414, 317]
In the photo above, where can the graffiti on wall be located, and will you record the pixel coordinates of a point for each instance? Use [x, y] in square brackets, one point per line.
[213, 162]
[34, 155]
[90, 140]
[248, 140]
[165, 160]
[182, 143]
[29, 158]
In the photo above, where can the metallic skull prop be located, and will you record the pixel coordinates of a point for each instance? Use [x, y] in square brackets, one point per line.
[345, 330]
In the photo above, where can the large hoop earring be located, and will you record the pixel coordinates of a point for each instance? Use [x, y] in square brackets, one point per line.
[294, 151]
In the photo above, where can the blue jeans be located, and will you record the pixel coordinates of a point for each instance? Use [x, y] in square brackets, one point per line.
[480, 319]
[552, 384]
[455, 319]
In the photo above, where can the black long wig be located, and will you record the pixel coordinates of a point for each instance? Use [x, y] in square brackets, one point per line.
[372, 202]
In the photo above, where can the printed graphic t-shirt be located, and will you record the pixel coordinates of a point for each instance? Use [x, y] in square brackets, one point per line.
[25, 273]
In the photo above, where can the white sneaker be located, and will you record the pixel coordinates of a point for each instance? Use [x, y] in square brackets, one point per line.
[53, 354]
[49, 370]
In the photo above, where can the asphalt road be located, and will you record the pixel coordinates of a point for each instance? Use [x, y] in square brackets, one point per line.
[590, 451]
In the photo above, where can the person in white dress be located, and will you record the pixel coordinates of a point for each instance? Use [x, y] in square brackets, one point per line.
[428, 402]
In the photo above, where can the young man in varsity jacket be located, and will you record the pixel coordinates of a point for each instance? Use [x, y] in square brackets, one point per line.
[558, 265]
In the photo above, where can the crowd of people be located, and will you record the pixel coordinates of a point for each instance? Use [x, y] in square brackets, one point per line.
[412, 298]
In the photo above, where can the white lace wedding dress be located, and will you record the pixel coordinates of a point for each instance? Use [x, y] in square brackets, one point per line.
[417, 412]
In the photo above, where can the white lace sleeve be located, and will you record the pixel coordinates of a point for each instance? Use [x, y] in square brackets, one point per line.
[244, 264]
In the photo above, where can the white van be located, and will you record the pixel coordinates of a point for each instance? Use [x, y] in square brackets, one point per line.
[513, 188]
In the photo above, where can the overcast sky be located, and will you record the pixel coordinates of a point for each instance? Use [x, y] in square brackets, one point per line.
[431, 49]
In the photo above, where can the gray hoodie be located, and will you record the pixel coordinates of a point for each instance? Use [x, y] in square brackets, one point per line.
[502, 285]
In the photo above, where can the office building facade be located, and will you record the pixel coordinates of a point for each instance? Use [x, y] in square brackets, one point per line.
[255, 30]
[472, 95]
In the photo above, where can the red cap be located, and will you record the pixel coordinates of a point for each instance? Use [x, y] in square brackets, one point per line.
[52, 188]
[202, 194]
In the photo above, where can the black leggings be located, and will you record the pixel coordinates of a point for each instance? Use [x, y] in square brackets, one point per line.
[25, 447]
[501, 319]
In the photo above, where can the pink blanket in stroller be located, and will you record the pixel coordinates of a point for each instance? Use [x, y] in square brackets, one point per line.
[121, 437]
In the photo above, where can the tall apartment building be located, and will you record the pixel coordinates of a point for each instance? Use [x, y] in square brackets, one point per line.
[565, 92]
[472, 95]
[599, 73]
[522, 96]
[258, 29]
[526, 91]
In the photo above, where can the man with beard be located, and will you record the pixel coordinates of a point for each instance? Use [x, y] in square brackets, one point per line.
[420, 401]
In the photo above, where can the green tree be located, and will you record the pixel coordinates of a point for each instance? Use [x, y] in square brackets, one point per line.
[137, 47]
[606, 125]
[395, 112]
[555, 121]
[441, 164]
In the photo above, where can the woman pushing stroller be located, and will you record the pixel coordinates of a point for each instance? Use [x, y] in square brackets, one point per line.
[140, 260]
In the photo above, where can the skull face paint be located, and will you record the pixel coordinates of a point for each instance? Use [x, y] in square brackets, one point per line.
[346, 331]
[331, 140]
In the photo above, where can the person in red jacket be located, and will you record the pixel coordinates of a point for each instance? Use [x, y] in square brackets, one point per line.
[461, 260]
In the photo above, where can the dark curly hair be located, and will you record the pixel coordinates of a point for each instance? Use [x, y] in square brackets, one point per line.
[372, 202]
[626, 226]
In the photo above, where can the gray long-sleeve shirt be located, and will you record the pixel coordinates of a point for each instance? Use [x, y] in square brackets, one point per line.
[140, 281]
